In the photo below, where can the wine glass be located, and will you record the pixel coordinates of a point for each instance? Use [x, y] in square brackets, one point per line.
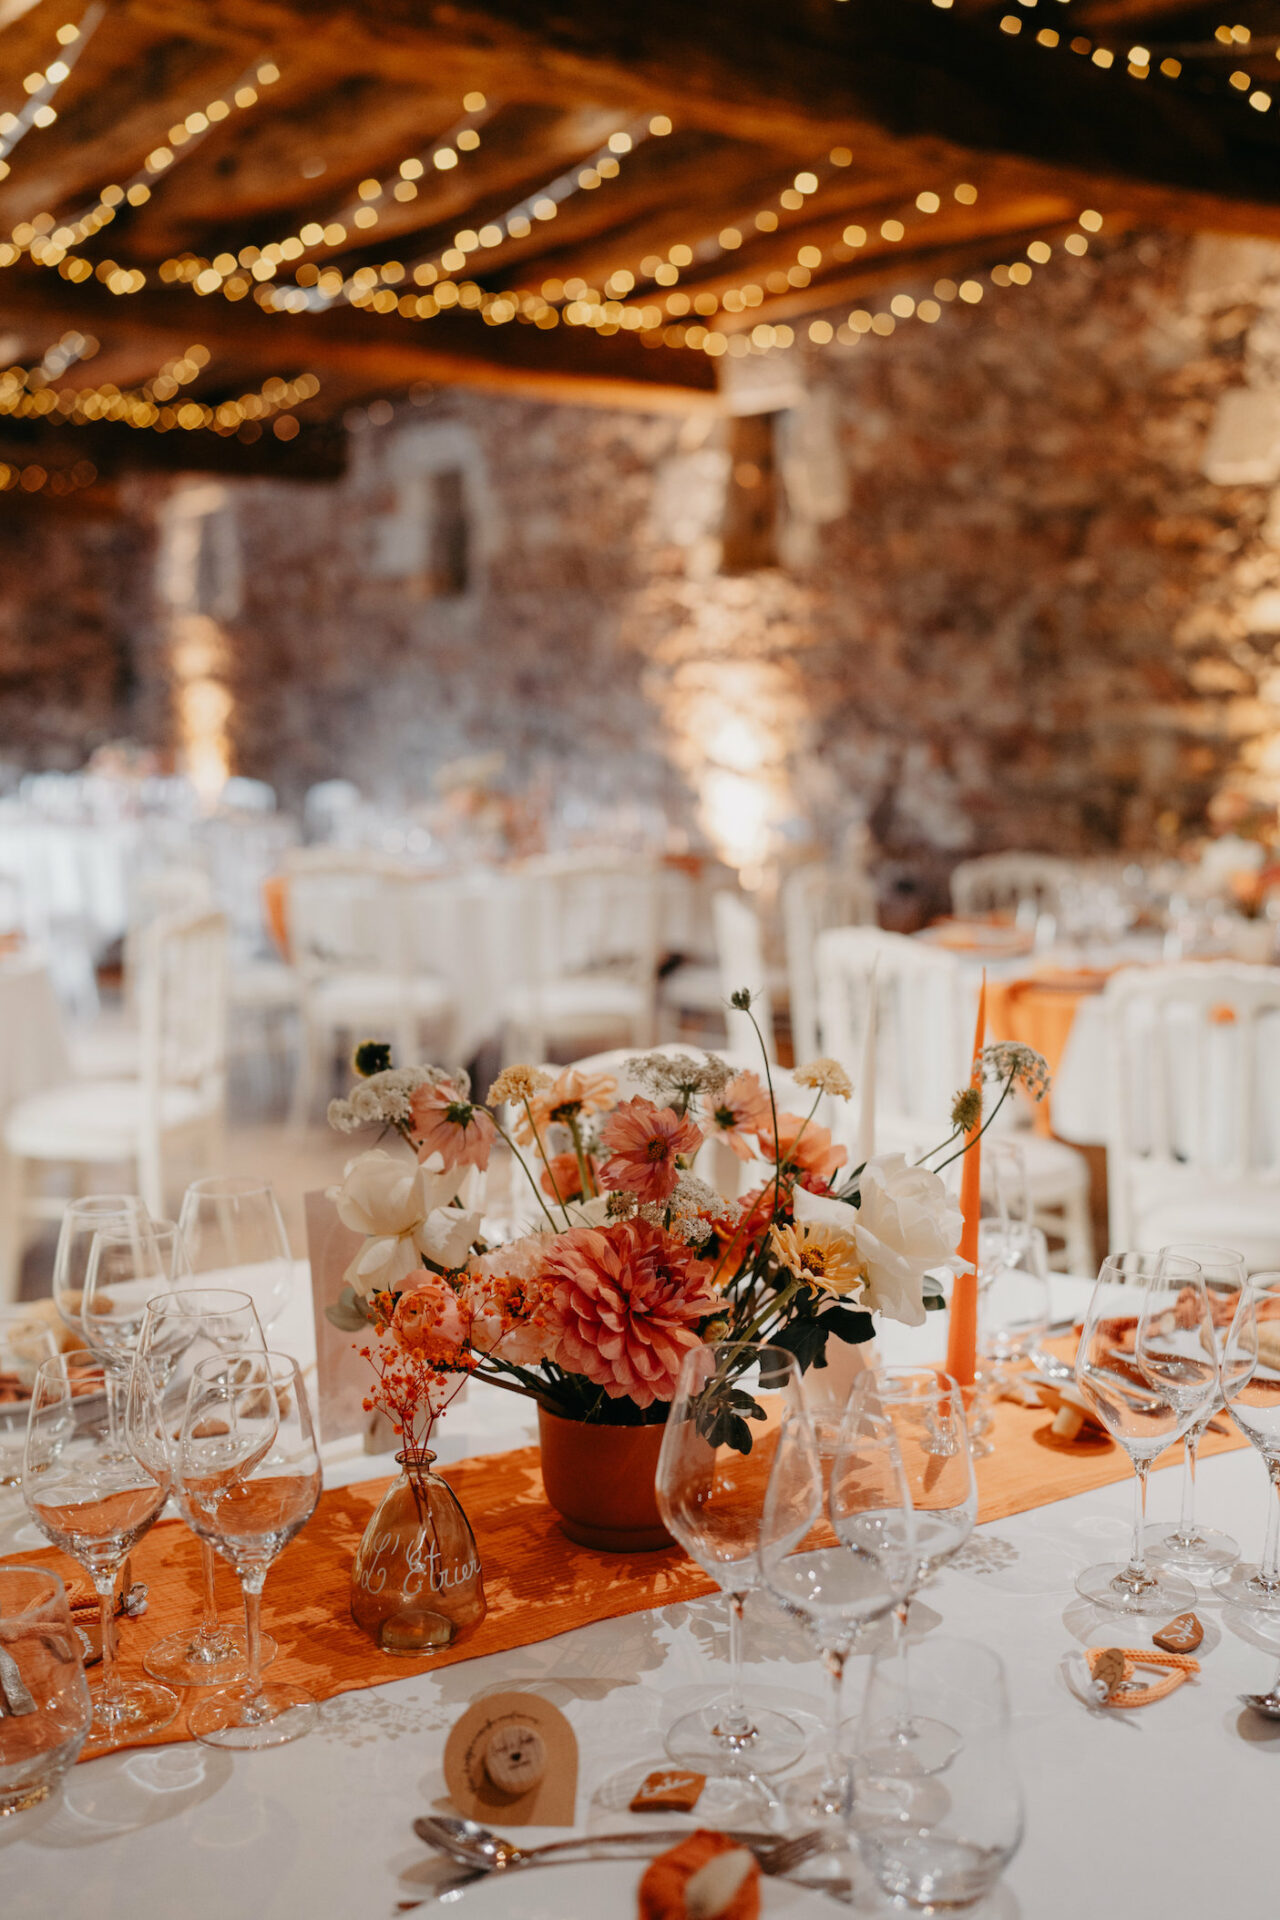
[178, 1331]
[96, 1501]
[128, 1266]
[1201, 1552]
[81, 1220]
[248, 1479]
[727, 1417]
[1147, 1387]
[943, 1840]
[926, 1412]
[836, 1558]
[1251, 1388]
[236, 1238]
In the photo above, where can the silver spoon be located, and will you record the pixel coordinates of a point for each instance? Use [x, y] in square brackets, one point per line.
[1268, 1703]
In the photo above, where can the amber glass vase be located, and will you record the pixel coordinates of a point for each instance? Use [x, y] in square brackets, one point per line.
[416, 1585]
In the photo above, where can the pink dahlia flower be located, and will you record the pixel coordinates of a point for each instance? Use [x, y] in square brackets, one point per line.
[644, 1141]
[446, 1123]
[623, 1304]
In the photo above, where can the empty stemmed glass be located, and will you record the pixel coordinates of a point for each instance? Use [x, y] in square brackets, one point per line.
[1251, 1387]
[1194, 1551]
[235, 1237]
[127, 1267]
[837, 1557]
[247, 1480]
[1147, 1365]
[180, 1330]
[1013, 1292]
[711, 1496]
[82, 1220]
[926, 1412]
[95, 1501]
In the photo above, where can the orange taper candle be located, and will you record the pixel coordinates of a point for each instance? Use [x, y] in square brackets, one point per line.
[962, 1329]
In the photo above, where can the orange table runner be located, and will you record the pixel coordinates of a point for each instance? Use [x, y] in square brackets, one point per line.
[538, 1583]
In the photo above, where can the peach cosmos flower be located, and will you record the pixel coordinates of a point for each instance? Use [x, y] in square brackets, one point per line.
[622, 1304]
[430, 1320]
[644, 1141]
[447, 1123]
[738, 1112]
[570, 1096]
[561, 1178]
[805, 1150]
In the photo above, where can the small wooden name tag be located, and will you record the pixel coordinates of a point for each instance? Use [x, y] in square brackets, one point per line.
[514, 1755]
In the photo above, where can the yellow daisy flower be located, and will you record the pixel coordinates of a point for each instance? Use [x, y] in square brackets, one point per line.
[821, 1256]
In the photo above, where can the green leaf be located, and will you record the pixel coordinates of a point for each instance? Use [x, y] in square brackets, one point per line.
[849, 1324]
[805, 1337]
[347, 1312]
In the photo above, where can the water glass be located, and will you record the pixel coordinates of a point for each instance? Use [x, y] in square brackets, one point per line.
[1013, 1291]
[942, 1839]
[128, 1266]
[42, 1680]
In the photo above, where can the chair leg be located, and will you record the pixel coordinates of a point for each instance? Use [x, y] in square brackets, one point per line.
[305, 1079]
[151, 1176]
[1078, 1232]
[12, 1222]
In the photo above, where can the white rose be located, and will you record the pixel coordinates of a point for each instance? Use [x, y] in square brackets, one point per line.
[906, 1225]
[384, 1264]
[381, 1194]
[446, 1235]
[401, 1209]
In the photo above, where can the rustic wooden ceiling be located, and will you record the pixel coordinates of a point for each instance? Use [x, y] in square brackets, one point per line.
[875, 102]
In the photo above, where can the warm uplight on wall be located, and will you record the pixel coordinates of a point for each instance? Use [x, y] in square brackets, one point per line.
[198, 579]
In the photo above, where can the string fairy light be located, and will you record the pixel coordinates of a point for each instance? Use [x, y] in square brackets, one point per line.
[37, 479]
[25, 394]
[370, 287]
[233, 273]
[43, 87]
[1140, 61]
[49, 242]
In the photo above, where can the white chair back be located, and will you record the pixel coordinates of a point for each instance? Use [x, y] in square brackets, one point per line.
[741, 959]
[161, 894]
[581, 917]
[182, 1007]
[920, 1026]
[1008, 882]
[814, 898]
[344, 916]
[1194, 1107]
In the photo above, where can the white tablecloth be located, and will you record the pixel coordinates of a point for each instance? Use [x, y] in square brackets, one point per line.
[1165, 1812]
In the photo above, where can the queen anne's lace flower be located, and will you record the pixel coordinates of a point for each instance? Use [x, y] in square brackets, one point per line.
[678, 1076]
[1009, 1060]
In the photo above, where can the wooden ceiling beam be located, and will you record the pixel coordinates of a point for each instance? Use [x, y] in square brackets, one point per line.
[810, 76]
[317, 452]
[380, 351]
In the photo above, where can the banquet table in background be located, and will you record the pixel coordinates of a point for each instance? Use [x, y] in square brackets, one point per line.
[322, 1827]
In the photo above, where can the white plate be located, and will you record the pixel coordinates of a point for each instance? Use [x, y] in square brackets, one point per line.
[594, 1889]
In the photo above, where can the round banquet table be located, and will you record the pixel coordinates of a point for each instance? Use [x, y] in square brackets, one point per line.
[1161, 1812]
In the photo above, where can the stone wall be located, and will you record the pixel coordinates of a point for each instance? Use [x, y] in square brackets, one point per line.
[1010, 608]
[71, 616]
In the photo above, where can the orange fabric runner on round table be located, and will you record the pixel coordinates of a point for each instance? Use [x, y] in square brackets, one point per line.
[537, 1582]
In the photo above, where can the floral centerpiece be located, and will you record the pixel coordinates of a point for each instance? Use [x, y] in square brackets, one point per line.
[633, 1258]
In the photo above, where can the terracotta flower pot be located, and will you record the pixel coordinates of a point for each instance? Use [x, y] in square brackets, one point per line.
[600, 1481]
